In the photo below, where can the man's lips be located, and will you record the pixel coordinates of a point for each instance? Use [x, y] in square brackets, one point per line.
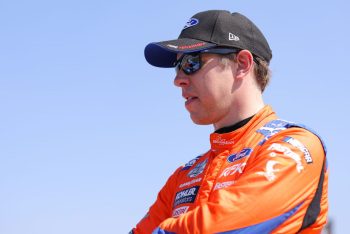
[188, 96]
[190, 99]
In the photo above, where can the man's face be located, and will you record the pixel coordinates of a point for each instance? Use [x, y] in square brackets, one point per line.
[209, 92]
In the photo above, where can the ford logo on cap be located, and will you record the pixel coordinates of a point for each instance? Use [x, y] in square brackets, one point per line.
[191, 22]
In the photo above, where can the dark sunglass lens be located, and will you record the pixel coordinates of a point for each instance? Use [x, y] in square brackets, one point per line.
[190, 63]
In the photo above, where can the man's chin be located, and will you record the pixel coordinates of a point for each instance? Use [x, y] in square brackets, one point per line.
[200, 121]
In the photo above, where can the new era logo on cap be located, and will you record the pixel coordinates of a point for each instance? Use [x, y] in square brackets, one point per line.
[232, 37]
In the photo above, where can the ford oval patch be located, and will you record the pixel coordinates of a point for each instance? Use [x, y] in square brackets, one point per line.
[242, 154]
[191, 22]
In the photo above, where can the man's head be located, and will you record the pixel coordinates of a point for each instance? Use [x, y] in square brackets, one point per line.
[208, 29]
[221, 59]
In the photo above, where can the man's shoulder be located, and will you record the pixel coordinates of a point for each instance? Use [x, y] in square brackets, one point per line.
[190, 163]
[279, 127]
[292, 138]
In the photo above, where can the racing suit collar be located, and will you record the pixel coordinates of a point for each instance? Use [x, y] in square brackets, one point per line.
[235, 126]
[226, 140]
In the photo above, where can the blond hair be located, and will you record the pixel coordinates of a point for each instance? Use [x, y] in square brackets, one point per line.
[262, 71]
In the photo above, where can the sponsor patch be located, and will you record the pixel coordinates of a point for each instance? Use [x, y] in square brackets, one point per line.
[239, 167]
[273, 127]
[222, 185]
[186, 196]
[191, 22]
[198, 169]
[269, 172]
[190, 182]
[190, 163]
[286, 152]
[185, 47]
[179, 211]
[294, 142]
[222, 141]
[242, 154]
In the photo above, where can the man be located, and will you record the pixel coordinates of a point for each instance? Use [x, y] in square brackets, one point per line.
[261, 174]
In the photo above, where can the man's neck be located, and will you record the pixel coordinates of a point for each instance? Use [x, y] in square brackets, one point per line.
[247, 100]
[238, 114]
[234, 126]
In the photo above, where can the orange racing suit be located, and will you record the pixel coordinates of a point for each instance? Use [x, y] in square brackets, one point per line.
[269, 176]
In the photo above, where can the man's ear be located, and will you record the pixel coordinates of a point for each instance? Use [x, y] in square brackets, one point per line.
[244, 63]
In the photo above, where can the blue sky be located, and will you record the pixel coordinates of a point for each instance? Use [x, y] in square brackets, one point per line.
[89, 132]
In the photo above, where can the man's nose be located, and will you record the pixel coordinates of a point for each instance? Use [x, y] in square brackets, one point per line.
[181, 79]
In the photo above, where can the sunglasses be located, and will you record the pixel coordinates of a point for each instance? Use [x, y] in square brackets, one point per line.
[192, 62]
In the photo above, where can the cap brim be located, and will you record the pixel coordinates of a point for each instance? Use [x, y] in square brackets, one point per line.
[163, 54]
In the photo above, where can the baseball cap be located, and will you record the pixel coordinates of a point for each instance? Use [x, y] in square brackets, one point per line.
[209, 29]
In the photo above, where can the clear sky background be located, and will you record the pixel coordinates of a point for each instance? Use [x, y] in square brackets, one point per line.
[89, 132]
